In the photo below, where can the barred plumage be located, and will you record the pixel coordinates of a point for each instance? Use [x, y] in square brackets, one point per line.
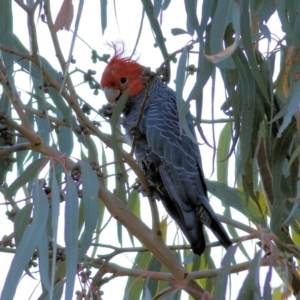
[170, 160]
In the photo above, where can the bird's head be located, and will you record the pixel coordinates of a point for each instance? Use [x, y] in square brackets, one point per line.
[120, 74]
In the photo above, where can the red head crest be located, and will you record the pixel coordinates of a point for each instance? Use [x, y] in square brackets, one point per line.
[122, 73]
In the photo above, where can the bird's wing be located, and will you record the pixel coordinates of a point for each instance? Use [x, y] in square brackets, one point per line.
[180, 156]
[180, 168]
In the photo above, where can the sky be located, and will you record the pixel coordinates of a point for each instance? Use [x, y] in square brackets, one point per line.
[124, 26]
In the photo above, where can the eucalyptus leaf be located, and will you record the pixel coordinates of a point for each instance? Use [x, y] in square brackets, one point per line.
[90, 186]
[71, 236]
[29, 241]
[31, 172]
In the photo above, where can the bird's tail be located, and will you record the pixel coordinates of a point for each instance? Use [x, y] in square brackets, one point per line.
[207, 217]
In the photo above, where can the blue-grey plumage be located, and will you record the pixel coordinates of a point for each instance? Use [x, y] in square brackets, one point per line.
[172, 164]
[170, 159]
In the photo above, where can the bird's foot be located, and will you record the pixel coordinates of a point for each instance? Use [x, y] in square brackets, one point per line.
[107, 110]
[202, 215]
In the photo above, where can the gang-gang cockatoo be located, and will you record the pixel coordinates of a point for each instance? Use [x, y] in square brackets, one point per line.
[169, 158]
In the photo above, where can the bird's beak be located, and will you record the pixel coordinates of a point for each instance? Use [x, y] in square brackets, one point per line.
[111, 95]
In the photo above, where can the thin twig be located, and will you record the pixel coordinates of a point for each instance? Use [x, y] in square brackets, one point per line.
[43, 115]
[171, 56]
[163, 276]
[26, 56]
[237, 224]
[118, 250]
[22, 5]
[15, 148]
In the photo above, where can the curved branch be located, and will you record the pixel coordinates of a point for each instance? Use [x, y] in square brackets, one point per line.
[121, 271]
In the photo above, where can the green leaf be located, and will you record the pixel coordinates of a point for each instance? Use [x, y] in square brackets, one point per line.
[289, 109]
[280, 150]
[236, 199]
[103, 6]
[246, 93]
[250, 288]
[119, 108]
[156, 28]
[281, 7]
[134, 286]
[80, 216]
[191, 12]
[135, 206]
[157, 8]
[71, 236]
[104, 164]
[182, 106]
[267, 293]
[146, 291]
[219, 23]
[55, 205]
[7, 40]
[90, 187]
[29, 241]
[222, 279]
[247, 41]
[65, 136]
[57, 291]
[31, 172]
[92, 150]
[206, 71]
[22, 220]
[134, 202]
[178, 31]
[154, 266]
[207, 7]
[165, 4]
[223, 153]
[43, 258]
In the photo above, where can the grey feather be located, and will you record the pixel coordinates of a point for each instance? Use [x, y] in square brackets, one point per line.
[172, 163]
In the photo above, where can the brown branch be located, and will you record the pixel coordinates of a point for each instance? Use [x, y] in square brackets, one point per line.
[14, 98]
[43, 115]
[163, 276]
[31, 136]
[155, 216]
[171, 56]
[237, 224]
[7, 250]
[118, 250]
[33, 35]
[17, 53]
[22, 5]
[7, 239]
[15, 148]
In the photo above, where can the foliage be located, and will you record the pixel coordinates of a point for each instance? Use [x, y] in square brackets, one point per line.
[61, 161]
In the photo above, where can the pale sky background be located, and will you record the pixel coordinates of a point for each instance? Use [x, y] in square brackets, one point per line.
[129, 16]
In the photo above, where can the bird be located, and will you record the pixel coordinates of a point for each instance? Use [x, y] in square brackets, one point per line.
[169, 158]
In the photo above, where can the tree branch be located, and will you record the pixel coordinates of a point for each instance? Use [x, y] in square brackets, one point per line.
[17, 147]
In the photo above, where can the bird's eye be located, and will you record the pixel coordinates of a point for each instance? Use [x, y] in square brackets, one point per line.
[123, 79]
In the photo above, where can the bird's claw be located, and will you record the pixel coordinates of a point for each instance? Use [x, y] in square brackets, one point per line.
[107, 110]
